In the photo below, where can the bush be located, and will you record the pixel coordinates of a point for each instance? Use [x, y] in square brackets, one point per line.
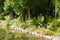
[58, 30]
[8, 24]
[1, 17]
[29, 21]
[55, 25]
[40, 19]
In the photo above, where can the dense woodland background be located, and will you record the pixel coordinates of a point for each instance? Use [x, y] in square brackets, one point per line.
[31, 14]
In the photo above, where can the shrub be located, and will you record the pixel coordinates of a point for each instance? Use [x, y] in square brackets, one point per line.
[8, 24]
[58, 30]
[1, 17]
[55, 25]
[40, 19]
[29, 21]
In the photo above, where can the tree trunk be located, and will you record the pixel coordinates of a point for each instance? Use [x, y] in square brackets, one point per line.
[22, 18]
[56, 11]
[45, 20]
[11, 15]
[26, 16]
[29, 14]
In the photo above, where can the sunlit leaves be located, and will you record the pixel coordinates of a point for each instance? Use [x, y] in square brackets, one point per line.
[57, 2]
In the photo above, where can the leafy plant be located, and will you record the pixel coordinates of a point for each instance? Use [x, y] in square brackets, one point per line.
[55, 25]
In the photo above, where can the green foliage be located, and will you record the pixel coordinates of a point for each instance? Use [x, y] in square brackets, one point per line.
[3, 34]
[1, 9]
[40, 19]
[57, 2]
[1, 17]
[29, 21]
[49, 33]
[57, 7]
[1, 5]
[8, 24]
[48, 19]
[55, 25]
[34, 12]
[18, 6]
[58, 30]
[31, 28]
[9, 35]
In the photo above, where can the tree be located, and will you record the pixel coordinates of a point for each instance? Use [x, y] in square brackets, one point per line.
[13, 7]
[28, 8]
[1, 9]
[57, 7]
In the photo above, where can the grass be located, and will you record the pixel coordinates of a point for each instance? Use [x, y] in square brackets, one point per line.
[9, 35]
